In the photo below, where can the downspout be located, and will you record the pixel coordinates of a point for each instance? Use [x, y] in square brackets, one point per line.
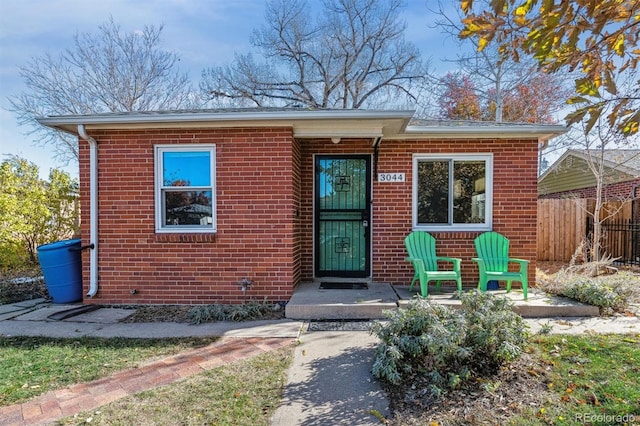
[376, 153]
[93, 210]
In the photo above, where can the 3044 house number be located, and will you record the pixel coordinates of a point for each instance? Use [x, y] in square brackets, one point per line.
[390, 177]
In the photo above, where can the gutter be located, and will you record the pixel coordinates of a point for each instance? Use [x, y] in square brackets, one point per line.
[542, 132]
[93, 210]
[196, 116]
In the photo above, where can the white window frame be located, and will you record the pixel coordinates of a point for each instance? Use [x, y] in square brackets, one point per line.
[159, 188]
[488, 225]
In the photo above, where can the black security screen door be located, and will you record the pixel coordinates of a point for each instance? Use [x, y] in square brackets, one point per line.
[342, 216]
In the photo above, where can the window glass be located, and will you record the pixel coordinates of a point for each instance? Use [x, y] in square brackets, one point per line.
[186, 168]
[433, 191]
[468, 191]
[188, 208]
[452, 192]
[185, 188]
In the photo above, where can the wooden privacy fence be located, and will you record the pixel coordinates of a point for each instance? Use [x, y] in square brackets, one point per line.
[561, 226]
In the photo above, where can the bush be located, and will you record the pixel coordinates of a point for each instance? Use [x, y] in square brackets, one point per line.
[610, 293]
[447, 346]
[494, 333]
[244, 312]
[17, 285]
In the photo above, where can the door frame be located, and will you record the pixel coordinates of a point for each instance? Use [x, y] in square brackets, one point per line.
[366, 274]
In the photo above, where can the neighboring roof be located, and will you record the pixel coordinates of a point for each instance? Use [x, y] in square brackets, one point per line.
[308, 123]
[571, 171]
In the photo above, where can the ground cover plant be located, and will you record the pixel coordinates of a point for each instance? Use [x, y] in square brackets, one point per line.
[478, 366]
[21, 284]
[31, 366]
[611, 293]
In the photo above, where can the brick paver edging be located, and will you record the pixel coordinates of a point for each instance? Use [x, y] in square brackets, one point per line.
[61, 403]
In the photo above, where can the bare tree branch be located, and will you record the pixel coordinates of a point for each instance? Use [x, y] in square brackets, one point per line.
[352, 55]
[109, 71]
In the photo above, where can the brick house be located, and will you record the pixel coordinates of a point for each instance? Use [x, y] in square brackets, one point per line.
[179, 207]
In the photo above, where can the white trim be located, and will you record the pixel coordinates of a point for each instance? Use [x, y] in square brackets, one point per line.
[485, 131]
[309, 123]
[160, 228]
[454, 227]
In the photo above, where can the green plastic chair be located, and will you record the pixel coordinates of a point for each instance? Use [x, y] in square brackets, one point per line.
[421, 247]
[493, 261]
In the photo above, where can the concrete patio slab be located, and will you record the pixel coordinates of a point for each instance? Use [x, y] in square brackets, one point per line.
[99, 316]
[538, 305]
[311, 302]
[13, 309]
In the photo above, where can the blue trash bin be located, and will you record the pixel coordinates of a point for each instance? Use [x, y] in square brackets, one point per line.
[61, 264]
[493, 285]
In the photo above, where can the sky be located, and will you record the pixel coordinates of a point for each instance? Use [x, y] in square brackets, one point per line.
[203, 33]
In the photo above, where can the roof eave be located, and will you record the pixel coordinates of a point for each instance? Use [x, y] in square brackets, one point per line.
[397, 120]
[539, 132]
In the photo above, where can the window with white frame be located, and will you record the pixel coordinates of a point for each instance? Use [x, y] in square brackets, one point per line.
[452, 192]
[185, 188]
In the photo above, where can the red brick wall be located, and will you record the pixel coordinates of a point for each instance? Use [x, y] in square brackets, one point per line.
[265, 214]
[256, 206]
[614, 191]
[514, 203]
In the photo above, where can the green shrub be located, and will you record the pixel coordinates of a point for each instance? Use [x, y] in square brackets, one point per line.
[20, 284]
[244, 312]
[610, 293]
[448, 346]
[493, 332]
[422, 338]
[587, 290]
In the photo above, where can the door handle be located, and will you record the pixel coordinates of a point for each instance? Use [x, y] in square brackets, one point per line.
[365, 223]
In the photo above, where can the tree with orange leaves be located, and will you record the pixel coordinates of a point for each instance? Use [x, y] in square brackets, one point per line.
[598, 37]
[459, 99]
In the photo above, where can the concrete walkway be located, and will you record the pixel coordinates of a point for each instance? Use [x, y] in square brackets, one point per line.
[329, 380]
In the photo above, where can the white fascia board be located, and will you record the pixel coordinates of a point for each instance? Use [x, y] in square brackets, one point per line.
[507, 131]
[218, 119]
[356, 132]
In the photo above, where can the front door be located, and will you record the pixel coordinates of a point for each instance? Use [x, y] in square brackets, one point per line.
[342, 216]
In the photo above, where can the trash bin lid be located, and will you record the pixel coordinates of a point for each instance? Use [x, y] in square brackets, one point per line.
[59, 245]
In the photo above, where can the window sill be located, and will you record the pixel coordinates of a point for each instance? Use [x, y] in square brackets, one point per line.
[175, 237]
[483, 228]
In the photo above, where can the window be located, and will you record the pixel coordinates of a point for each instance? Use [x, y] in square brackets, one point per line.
[452, 192]
[185, 188]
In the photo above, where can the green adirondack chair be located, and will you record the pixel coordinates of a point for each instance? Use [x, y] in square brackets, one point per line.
[421, 247]
[493, 261]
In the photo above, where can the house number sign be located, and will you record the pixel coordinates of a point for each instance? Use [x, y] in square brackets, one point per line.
[390, 177]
